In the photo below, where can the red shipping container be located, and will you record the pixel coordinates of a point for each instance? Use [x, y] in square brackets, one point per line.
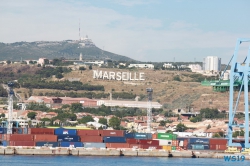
[41, 131]
[218, 147]
[88, 132]
[117, 145]
[1, 136]
[132, 141]
[6, 137]
[151, 147]
[112, 133]
[48, 138]
[135, 146]
[21, 137]
[175, 143]
[22, 143]
[218, 141]
[149, 142]
[93, 138]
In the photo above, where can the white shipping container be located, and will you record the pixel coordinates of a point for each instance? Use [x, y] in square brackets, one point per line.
[181, 143]
[163, 142]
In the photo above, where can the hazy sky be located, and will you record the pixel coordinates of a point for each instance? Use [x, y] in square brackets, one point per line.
[146, 30]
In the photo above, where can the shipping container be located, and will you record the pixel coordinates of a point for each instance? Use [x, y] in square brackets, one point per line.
[150, 147]
[68, 138]
[3, 130]
[185, 143]
[42, 138]
[143, 136]
[218, 147]
[175, 143]
[63, 131]
[112, 133]
[47, 144]
[42, 131]
[154, 136]
[88, 132]
[85, 138]
[173, 148]
[114, 139]
[181, 143]
[71, 144]
[129, 135]
[21, 137]
[22, 143]
[167, 136]
[198, 140]
[198, 146]
[25, 130]
[6, 137]
[17, 131]
[135, 146]
[132, 141]
[167, 147]
[218, 141]
[5, 143]
[149, 142]
[117, 145]
[94, 145]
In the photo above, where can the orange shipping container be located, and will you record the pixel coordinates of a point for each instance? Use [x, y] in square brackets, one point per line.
[132, 141]
[88, 132]
[154, 136]
[117, 145]
[112, 133]
[6, 137]
[21, 137]
[22, 143]
[41, 131]
[42, 138]
[175, 143]
[218, 141]
[218, 147]
[93, 138]
[167, 147]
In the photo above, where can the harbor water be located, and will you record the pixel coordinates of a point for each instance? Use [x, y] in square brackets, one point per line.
[17, 160]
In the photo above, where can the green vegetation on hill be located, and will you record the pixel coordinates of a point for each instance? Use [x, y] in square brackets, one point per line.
[50, 50]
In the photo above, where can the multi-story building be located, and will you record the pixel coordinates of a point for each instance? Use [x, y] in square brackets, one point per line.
[212, 63]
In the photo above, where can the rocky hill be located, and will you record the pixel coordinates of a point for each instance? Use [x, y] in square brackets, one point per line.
[69, 49]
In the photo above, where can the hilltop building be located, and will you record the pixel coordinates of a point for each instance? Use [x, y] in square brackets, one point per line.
[149, 66]
[86, 42]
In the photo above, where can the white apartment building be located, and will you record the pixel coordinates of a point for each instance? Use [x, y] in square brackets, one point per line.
[168, 65]
[212, 63]
[195, 67]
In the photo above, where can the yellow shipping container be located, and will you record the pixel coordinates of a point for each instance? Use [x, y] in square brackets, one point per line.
[167, 147]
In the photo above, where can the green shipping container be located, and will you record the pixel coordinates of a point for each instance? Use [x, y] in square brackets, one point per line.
[173, 148]
[166, 136]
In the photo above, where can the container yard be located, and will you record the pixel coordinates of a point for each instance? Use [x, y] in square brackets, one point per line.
[61, 141]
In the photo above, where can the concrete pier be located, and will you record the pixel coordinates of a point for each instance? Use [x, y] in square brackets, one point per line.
[113, 152]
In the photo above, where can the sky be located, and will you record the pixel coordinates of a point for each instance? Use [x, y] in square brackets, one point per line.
[145, 30]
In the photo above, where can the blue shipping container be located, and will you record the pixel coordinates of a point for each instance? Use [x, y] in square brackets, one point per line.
[198, 146]
[94, 145]
[198, 141]
[68, 138]
[47, 144]
[5, 143]
[114, 139]
[143, 136]
[3, 130]
[62, 131]
[71, 144]
[129, 135]
[25, 130]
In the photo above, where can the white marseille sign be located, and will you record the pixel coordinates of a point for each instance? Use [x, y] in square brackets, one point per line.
[120, 76]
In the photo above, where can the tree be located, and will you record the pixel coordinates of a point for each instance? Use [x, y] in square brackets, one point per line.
[31, 115]
[76, 107]
[114, 122]
[209, 126]
[162, 123]
[2, 115]
[82, 68]
[181, 127]
[90, 67]
[86, 119]
[8, 62]
[103, 121]
[59, 75]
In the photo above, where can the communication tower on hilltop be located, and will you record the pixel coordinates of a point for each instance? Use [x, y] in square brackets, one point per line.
[10, 108]
[149, 109]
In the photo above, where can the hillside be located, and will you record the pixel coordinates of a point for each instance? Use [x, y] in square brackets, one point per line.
[67, 49]
[182, 93]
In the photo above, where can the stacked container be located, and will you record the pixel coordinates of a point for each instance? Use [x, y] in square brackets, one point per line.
[198, 143]
[68, 138]
[218, 144]
[167, 141]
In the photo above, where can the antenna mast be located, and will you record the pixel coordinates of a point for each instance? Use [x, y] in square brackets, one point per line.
[149, 109]
[79, 30]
